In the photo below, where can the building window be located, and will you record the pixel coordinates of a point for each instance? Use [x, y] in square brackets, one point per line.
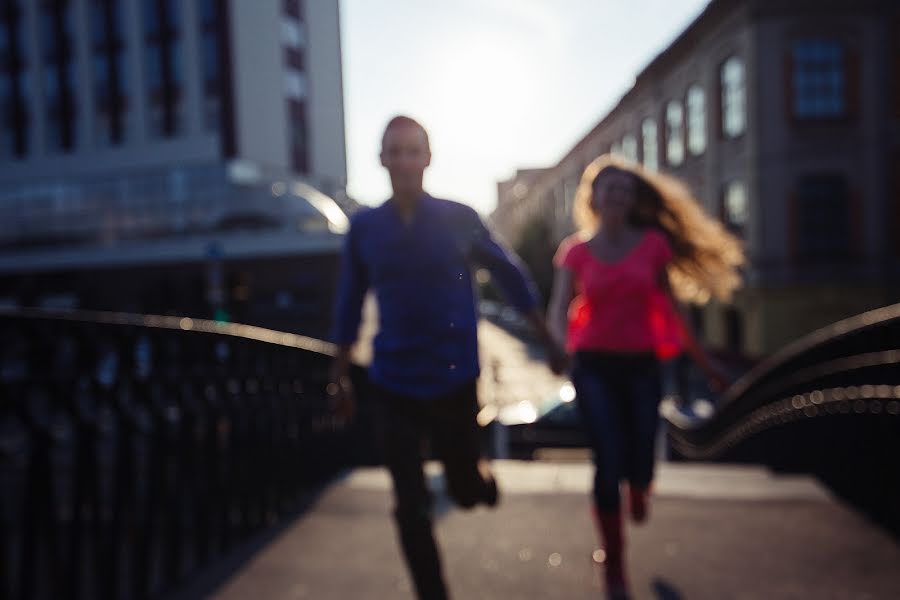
[674, 133]
[109, 72]
[162, 58]
[58, 74]
[696, 120]
[210, 58]
[15, 91]
[207, 11]
[735, 206]
[293, 34]
[734, 99]
[7, 126]
[211, 62]
[292, 8]
[823, 218]
[651, 144]
[630, 147]
[295, 84]
[298, 138]
[819, 79]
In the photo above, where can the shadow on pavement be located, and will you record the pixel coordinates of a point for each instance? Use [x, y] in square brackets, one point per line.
[204, 583]
[665, 591]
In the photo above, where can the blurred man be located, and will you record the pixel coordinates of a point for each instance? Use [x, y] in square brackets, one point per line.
[417, 253]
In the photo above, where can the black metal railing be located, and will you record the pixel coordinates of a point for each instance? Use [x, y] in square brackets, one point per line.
[828, 405]
[135, 450]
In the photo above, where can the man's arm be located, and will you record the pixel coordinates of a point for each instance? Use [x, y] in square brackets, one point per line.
[505, 267]
[518, 288]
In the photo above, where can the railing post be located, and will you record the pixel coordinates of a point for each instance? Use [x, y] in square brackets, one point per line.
[15, 454]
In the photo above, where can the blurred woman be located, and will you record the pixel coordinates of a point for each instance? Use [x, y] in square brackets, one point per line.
[643, 242]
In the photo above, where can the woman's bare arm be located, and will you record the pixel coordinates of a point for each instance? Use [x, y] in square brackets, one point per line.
[717, 377]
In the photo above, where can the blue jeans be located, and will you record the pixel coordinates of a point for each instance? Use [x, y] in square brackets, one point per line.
[618, 396]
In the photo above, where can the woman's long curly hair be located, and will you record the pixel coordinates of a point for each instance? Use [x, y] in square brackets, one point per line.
[707, 257]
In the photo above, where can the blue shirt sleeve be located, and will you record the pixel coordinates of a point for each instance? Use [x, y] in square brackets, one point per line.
[505, 267]
[353, 282]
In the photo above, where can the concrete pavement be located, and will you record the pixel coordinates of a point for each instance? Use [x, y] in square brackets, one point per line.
[715, 532]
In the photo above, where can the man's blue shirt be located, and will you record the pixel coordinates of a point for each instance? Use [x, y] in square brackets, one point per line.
[421, 273]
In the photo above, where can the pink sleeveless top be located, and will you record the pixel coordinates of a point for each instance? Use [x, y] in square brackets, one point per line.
[620, 306]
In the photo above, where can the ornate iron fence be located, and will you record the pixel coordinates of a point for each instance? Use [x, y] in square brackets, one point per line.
[135, 450]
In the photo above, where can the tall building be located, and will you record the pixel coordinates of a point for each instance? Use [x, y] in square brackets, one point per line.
[166, 120]
[784, 118]
[101, 95]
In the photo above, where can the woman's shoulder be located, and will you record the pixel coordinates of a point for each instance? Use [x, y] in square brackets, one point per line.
[570, 249]
[576, 240]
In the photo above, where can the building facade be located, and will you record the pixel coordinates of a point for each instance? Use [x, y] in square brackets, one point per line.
[168, 125]
[784, 119]
[134, 101]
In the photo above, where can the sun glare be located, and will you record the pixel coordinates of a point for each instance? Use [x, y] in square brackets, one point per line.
[479, 88]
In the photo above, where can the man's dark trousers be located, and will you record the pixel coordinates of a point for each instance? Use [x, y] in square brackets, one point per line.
[449, 423]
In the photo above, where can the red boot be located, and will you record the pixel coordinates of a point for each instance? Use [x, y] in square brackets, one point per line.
[610, 526]
[637, 500]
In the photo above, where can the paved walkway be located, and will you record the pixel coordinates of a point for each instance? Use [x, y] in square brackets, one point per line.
[715, 532]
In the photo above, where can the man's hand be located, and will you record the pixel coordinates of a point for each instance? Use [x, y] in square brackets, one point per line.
[342, 398]
[340, 388]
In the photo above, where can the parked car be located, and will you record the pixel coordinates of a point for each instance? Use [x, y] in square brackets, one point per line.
[552, 423]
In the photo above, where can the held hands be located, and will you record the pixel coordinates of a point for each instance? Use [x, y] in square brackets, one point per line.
[557, 358]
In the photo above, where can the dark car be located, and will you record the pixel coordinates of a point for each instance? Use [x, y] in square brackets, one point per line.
[553, 423]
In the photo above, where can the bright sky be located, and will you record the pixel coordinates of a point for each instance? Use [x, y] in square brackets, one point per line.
[499, 84]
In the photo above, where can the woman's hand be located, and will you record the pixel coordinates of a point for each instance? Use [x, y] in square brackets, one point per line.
[719, 379]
